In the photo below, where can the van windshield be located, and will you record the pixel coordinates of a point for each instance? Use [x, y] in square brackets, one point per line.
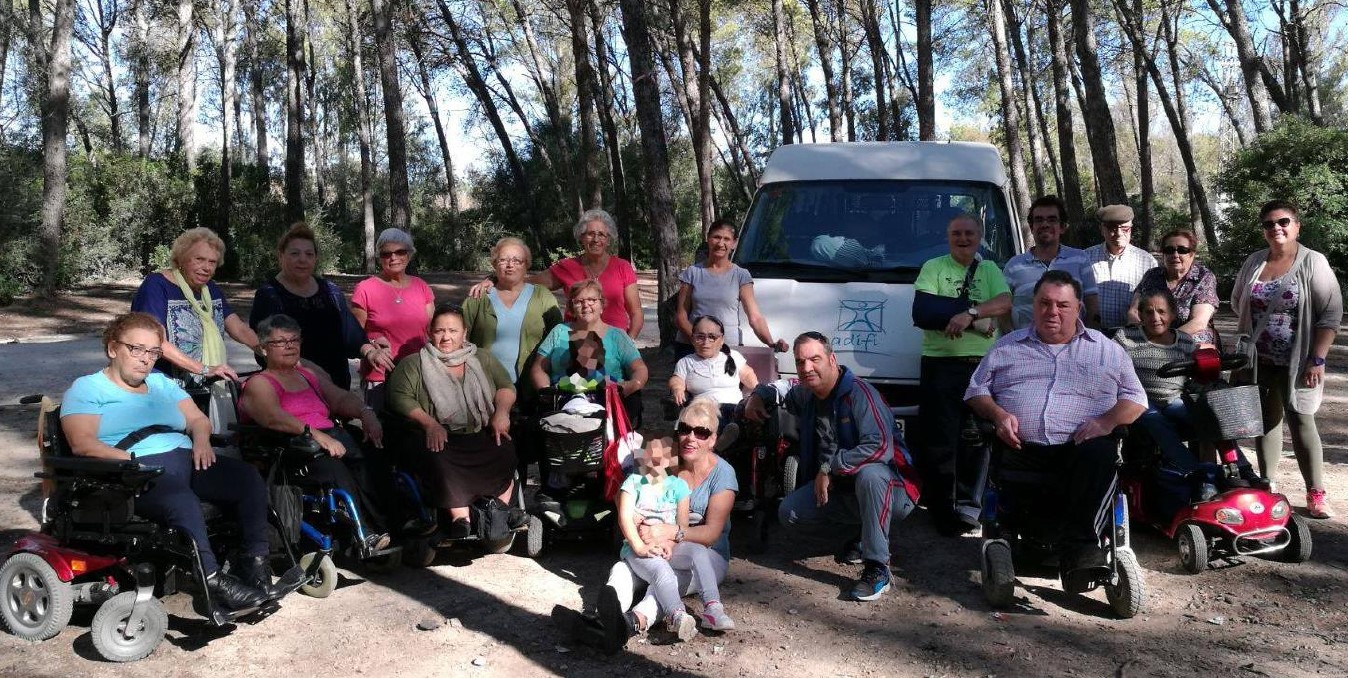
[881, 231]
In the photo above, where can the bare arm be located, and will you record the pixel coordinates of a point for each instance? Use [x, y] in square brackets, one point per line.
[81, 432]
[748, 378]
[360, 314]
[262, 403]
[539, 369]
[1134, 317]
[638, 375]
[757, 322]
[1199, 317]
[1008, 427]
[239, 330]
[678, 390]
[682, 307]
[627, 522]
[632, 301]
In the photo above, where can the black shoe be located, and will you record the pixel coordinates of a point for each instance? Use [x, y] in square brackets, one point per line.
[617, 624]
[1251, 476]
[516, 518]
[874, 581]
[849, 554]
[951, 524]
[227, 591]
[255, 571]
[419, 527]
[460, 529]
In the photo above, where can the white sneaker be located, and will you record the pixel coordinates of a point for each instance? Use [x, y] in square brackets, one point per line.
[714, 618]
[683, 625]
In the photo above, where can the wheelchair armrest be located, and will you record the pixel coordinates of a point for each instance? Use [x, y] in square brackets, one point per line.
[90, 466]
[267, 444]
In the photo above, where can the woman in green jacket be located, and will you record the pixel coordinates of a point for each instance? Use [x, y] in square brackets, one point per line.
[512, 318]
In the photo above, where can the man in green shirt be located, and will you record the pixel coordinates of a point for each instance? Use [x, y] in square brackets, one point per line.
[950, 456]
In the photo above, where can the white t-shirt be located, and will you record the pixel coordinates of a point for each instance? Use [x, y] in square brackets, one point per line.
[706, 376]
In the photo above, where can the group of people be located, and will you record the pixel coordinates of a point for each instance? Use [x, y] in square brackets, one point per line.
[445, 379]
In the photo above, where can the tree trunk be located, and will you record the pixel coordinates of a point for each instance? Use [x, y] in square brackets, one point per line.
[1010, 112]
[546, 80]
[1067, 148]
[1233, 19]
[1027, 94]
[257, 91]
[55, 125]
[798, 88]
[654, 152]
[294, 111]
[1041, 120]
[783, 83]
[1224, 97]
[612, 143]
[875, 45]
[591, 189]
[100, 23]
[6, 31]
[361, 109]
[926, 73]
[699, 114]
[1099, 121]
[824, 44]
[226, 46]
[400, 194]
[317, 115]
[845, 54]
[187, 85]
[1142, 226]
[428, 93]
[140, 58]
[1307, 64]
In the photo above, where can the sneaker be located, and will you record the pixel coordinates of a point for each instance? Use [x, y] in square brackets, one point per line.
[714, 617]
[378, 542]
[850, 553]
[874, 581]
[516, 518]
[682, 625]
[1317, 504]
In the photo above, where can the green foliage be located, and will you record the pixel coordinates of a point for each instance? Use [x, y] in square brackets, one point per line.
[1296, 161]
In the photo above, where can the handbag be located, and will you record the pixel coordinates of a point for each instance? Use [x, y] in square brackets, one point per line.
[933, 311]
[622, 441]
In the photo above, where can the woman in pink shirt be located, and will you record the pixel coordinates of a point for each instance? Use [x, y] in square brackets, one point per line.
[394, 308]
[595, 231]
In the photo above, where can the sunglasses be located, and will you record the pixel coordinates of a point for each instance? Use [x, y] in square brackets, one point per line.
[389, 254]
[1282, 223]
[1177, 249]
[699, 432]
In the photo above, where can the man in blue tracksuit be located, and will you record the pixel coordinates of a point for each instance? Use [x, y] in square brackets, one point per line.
[861, 472]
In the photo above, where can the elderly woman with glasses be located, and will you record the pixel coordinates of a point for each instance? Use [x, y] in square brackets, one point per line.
[713, 369]
[394, 308]
[1290, 306]
[595, 231]
[511, 319]
[192, 308]
[1193, 285]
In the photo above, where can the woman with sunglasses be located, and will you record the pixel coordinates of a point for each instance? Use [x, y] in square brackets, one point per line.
[596, 232]
[1193, 285]
[700, 555]
[394, 308]
[1290, 305]
[713, 369]
[719, 287]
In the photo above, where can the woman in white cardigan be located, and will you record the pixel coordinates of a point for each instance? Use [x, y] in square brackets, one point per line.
[1290, 305]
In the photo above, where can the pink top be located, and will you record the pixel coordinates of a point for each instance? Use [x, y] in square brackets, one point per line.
[398, 315]
[614, 279]
[306, 404]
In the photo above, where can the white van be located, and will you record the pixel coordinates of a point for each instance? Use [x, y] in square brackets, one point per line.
[838, 232]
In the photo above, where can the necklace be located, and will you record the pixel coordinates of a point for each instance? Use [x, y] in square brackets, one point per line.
[590, 269]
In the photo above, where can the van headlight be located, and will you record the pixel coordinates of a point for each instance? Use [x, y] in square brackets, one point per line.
[1279, 510]
[1230, 516]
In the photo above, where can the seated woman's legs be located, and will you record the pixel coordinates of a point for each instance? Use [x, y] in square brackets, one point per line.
[471, 465]
[351, 473]
[1168, 424]
[170, 500]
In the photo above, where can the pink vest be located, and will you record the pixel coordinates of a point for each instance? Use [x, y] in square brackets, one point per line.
[306, 404]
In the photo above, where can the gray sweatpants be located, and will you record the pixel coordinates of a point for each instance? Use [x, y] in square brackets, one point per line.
[878, 502]
[697, 570]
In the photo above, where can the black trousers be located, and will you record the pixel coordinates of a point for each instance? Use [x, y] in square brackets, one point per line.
[951, 458]
[1074, 482]
[351, 473]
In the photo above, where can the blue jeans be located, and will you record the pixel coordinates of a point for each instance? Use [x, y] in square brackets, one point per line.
[878, 502]
[1169, 426]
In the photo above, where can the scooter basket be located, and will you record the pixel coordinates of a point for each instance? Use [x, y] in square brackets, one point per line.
[1233, 413]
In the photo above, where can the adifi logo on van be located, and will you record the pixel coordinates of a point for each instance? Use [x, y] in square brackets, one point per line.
[860, 324]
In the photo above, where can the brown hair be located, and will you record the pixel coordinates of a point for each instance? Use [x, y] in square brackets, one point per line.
[130, 321]
[298, 231]
[1049, 201]
[585, 283]
[1179, 232]
[1280, 204]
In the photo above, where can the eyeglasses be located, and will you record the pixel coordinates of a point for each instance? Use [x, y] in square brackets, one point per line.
[595, 235]
[510, 261]
[703, 336]
[1052, 219]
[283, 343]
[1122, 228]
[1177, 249]
[699, 432]
[389, 254]
[1280, 223]
[138, 351]
[583, 301]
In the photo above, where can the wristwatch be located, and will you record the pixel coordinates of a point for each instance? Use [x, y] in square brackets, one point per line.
[678, 536]
[973, 312]
[1317, 361]
[824, 468]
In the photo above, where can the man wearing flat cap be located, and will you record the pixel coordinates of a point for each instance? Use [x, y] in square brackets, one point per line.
[1117, 264]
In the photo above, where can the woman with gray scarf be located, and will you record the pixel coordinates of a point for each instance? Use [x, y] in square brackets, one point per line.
[460, 397]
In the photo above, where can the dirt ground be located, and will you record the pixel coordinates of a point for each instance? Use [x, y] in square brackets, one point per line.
[1247, 617]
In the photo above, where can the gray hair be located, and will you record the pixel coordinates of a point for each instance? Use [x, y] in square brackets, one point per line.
[277, 322]
[394, 235]
[969, 217]
[596, 215]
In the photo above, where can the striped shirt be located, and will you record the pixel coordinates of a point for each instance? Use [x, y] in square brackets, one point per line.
[1116, 277]
[1053, 389]
[1148, 357]
[1024, 270]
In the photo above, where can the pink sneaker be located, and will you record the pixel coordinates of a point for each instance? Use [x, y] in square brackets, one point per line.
[1317, 504]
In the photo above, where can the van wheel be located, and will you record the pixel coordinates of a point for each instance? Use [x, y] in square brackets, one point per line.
[34, 603]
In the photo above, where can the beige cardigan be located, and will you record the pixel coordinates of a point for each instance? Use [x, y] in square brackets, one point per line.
[1321, 308]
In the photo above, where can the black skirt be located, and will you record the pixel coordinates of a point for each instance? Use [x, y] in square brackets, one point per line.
[471, 465]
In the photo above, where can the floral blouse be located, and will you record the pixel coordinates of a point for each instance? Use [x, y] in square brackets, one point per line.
[1274, 305]
[1198, 286]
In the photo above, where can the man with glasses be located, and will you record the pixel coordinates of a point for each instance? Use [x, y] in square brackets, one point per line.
[1117, 265]
[1048, 221]
[856, 469]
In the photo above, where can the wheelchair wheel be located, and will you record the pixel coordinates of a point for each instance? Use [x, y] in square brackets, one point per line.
[1126, 595]
[1193, 548]
[499, 545]
[418, 553]
[1298, 550]
[324, 580]
[117, 639]
[790, 474]
[34, 603]
[533, 546]
[999, 574]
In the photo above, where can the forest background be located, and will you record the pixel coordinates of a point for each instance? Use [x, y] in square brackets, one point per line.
[123, 122]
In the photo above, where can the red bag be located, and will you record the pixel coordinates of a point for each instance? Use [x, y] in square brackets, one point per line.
[617, 440]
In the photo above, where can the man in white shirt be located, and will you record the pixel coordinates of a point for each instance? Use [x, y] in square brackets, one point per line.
[1116, 264]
